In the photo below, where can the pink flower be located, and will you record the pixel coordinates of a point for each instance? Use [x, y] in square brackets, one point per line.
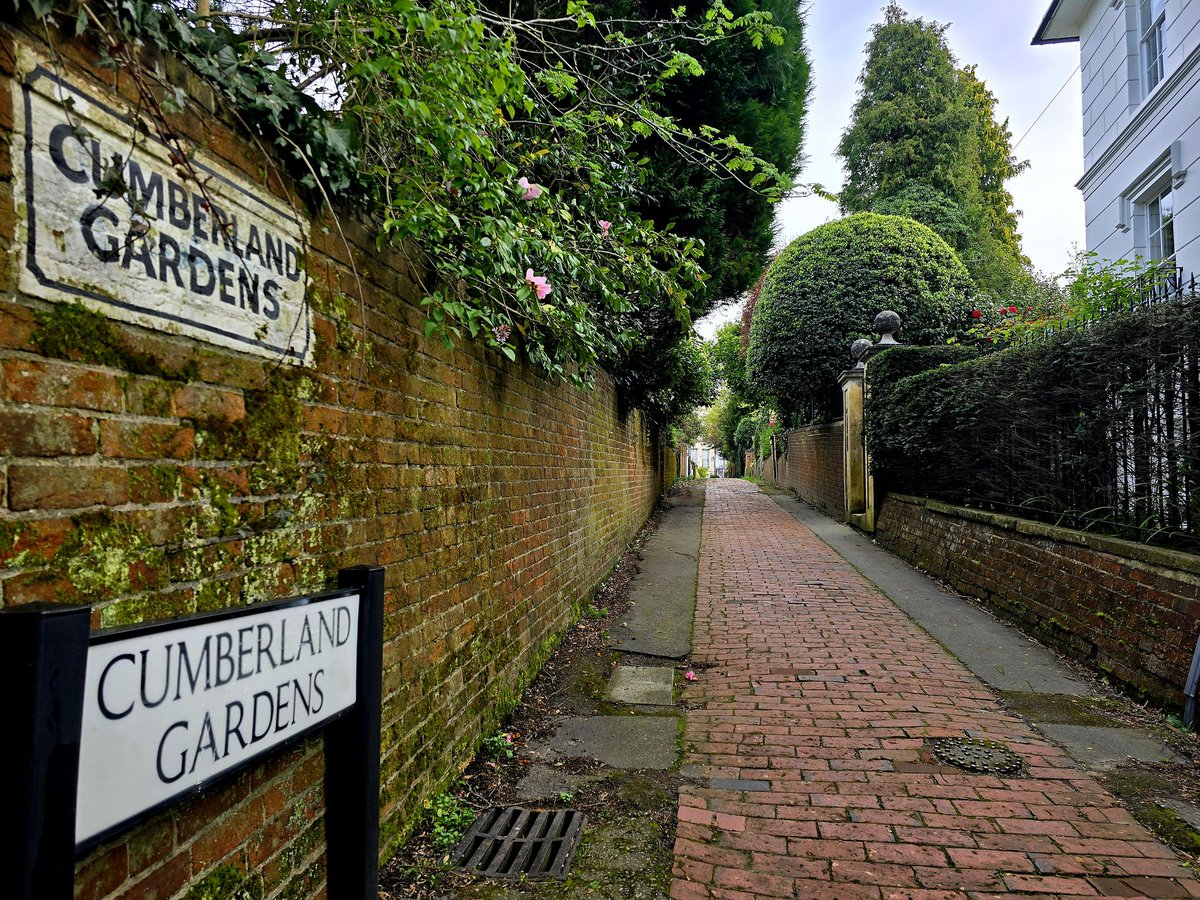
[532, 191]
[689, 675]
[501, 333]
[539, 283]
[604, 227]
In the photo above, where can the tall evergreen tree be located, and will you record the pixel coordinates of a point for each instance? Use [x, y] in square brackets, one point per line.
[997, 164]
[911, 121]
[924, 142]
[758, 95]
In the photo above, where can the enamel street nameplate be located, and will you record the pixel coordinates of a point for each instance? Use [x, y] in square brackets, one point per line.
[170, 707]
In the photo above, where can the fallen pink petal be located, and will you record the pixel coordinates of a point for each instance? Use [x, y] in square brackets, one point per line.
[689, 675]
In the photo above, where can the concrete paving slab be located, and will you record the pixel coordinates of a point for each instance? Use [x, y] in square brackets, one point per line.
[624, 742]
[1185, 811]
[663, 593]
[996, 652]
[1103, 747]
[542, 782]
[642, 686]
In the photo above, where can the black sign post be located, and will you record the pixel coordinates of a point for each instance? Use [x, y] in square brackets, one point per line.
[352, 755]
[44, 654]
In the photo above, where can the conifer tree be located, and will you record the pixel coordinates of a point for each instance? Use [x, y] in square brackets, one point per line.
[924, 142]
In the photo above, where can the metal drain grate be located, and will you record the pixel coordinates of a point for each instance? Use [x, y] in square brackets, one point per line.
[520, 843]
[976, 755]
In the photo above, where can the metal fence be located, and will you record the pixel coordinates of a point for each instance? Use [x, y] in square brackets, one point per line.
[1093, 426]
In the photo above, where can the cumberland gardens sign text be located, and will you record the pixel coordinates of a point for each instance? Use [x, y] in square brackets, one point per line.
[136, 238]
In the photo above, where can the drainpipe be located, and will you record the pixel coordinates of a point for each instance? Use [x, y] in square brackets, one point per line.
[1190, 690]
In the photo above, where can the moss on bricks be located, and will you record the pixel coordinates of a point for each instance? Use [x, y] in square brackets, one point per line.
[226, 882]
[270, 430]
[1165, 822]
[99, 554]
[72, 331]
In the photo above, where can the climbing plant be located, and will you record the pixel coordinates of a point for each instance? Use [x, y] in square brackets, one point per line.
[495, 146]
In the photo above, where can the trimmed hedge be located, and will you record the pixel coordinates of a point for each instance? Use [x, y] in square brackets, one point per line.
[1094, 427]
[825, 290]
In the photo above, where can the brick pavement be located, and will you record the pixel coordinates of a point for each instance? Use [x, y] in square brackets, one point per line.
[817, 694]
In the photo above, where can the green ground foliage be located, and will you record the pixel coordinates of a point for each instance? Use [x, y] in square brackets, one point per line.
[825, 290]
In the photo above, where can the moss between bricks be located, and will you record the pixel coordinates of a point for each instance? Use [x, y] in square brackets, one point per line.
[72, 331]
[227, 882]
[101, 554]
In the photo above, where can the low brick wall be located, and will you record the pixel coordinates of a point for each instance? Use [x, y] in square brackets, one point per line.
[1126, 610]
[813, 468]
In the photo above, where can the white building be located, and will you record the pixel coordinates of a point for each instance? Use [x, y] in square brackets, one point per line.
[702, 455]
[1140, 62]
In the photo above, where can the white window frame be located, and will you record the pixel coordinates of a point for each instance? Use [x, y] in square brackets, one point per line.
[1133, 205]
[1156, 227]
[1152, 44]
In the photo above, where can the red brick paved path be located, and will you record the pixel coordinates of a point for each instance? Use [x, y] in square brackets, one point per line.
[851, 810]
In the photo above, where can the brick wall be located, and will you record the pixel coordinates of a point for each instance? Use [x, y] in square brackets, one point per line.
[1127, 610]
[813, 467]
[154, 476]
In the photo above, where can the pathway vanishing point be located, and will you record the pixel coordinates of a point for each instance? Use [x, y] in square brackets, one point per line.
[808, 744]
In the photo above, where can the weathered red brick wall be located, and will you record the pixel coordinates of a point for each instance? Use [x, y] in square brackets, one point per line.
[155, 476]
[1127, 610]
[813, 468]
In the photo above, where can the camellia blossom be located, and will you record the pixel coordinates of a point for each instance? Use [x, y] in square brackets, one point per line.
[604, 227]
[532, 191]
[539, 283]
[975, 314]
[689, 675]
[1013, 310]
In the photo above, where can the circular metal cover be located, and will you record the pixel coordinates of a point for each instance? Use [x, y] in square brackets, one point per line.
[977, 755]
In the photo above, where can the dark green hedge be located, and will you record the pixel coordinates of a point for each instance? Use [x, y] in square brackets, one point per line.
[1094, 427]
[900, 433]
[825, 290]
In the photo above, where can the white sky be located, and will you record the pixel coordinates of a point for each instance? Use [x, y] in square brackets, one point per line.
[996, 37]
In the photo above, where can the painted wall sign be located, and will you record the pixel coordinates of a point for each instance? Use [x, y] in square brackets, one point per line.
[169, 707]
[106, 218]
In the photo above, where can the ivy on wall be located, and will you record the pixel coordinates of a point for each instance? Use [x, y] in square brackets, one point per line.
[501, 149]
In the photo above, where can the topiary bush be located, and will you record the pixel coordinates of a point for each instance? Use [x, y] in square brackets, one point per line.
[824, 291]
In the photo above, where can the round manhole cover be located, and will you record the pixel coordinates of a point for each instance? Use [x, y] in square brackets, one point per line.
[976, 755]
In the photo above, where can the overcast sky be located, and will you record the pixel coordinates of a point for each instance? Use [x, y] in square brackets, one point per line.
[995, 37]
